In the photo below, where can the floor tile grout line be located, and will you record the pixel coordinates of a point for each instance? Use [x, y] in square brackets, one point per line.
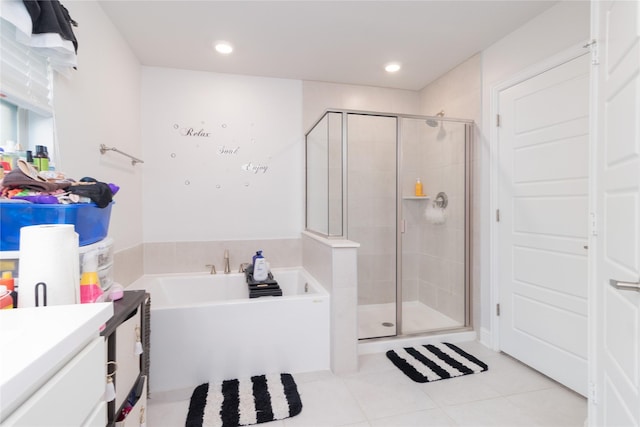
[355, 399]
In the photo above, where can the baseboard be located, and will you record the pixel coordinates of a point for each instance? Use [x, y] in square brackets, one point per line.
[485, 338]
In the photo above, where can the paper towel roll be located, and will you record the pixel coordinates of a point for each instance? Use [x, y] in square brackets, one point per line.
[49, 254]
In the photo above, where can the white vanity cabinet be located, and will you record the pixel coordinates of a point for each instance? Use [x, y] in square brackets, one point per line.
[72, 397]
[52, 370]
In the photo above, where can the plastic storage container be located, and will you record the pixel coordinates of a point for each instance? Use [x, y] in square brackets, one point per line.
[90, 222]
[10, 260]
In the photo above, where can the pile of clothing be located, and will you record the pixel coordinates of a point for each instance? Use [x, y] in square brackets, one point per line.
[26, 184]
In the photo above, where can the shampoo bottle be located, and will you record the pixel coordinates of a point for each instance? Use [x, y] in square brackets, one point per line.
[260, 271]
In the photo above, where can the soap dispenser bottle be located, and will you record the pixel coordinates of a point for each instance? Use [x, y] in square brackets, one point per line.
[260, 271]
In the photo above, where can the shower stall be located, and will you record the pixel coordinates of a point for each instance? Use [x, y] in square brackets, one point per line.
[414, 255]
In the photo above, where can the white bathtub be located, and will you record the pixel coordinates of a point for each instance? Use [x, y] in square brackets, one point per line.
[205, 327]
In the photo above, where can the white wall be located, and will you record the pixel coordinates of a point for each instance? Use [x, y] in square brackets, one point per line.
[560, 27]
[100, 104]
[224, 156]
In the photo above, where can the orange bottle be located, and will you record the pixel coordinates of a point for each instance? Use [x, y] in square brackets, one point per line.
[418, 188]
[9, 284]
[6, 300]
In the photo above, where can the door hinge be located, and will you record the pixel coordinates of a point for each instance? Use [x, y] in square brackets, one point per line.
[497, 215]
[593, 393]
[498, 120]
[497, 309]
[593, 47]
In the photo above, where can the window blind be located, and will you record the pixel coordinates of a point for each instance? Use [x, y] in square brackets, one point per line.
[25, 75]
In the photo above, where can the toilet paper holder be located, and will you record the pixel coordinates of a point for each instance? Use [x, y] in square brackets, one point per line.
[441, 201]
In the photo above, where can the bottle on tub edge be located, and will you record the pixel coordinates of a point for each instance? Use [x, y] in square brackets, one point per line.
[260, 270]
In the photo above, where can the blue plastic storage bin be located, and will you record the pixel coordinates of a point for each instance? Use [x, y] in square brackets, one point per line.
[90, 222]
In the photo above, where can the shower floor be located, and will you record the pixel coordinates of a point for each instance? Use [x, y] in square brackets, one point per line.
[416, 317]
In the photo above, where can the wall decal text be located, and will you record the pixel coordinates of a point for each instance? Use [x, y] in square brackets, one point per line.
[255, 168]
[189, 131]
[224, 150]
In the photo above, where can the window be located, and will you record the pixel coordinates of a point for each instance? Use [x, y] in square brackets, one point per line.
[22, 129]
[26, 113]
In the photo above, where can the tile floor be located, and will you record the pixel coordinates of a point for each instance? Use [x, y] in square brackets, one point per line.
[508, 394]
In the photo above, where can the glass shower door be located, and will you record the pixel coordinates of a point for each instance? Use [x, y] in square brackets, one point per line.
[434, 239]
[372, 219]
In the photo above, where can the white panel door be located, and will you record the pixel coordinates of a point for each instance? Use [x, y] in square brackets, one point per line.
[617, 187]
[543, 143]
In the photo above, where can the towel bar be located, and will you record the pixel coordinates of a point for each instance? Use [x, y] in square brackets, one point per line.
[134, 160]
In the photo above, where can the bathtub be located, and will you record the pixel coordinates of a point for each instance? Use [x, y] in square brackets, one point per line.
[205, 327]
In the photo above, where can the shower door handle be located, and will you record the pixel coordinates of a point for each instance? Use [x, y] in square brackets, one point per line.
[625, 286]
[403, 225]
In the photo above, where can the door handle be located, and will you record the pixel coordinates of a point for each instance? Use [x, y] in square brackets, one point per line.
[625, 286]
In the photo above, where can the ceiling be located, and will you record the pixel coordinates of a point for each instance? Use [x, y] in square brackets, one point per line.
[332, 41]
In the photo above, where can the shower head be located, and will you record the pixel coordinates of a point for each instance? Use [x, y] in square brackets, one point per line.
[434, 122]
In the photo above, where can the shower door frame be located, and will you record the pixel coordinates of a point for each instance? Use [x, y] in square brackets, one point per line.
[468, 197]
[468, 146]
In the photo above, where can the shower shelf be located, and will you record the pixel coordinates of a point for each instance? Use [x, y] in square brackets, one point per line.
[416, 197]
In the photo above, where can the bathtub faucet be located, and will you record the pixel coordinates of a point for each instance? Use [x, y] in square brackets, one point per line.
[243, 267]
[227, 269]
[213, 268]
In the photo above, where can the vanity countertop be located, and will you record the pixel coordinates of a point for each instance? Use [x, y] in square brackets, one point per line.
[36, 342]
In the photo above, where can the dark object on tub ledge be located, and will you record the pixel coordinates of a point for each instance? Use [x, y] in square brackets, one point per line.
[268, 287]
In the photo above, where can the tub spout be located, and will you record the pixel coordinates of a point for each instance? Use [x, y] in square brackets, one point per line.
[243, 267]
[227, 269]
[213, 268]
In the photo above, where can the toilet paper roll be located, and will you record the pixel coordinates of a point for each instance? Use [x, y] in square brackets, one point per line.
[49, 254]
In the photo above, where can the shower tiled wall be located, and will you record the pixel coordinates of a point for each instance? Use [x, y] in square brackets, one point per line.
[441, 283]
[433, 252]
[428, 250]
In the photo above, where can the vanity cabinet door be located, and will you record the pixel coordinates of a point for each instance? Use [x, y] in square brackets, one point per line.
[99, 416]
[71, 396]
[138, 414]
[128, 362]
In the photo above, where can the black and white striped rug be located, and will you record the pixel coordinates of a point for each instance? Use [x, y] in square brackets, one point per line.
[243, 402]
[435, 362]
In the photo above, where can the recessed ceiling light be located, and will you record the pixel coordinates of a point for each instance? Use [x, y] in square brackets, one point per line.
[224, 48]
[392, 68]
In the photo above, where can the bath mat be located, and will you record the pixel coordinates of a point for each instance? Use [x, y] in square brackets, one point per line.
[243, 402]
[435, 362]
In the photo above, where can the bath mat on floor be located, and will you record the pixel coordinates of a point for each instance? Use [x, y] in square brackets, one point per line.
[435, 362]
[243, 402]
